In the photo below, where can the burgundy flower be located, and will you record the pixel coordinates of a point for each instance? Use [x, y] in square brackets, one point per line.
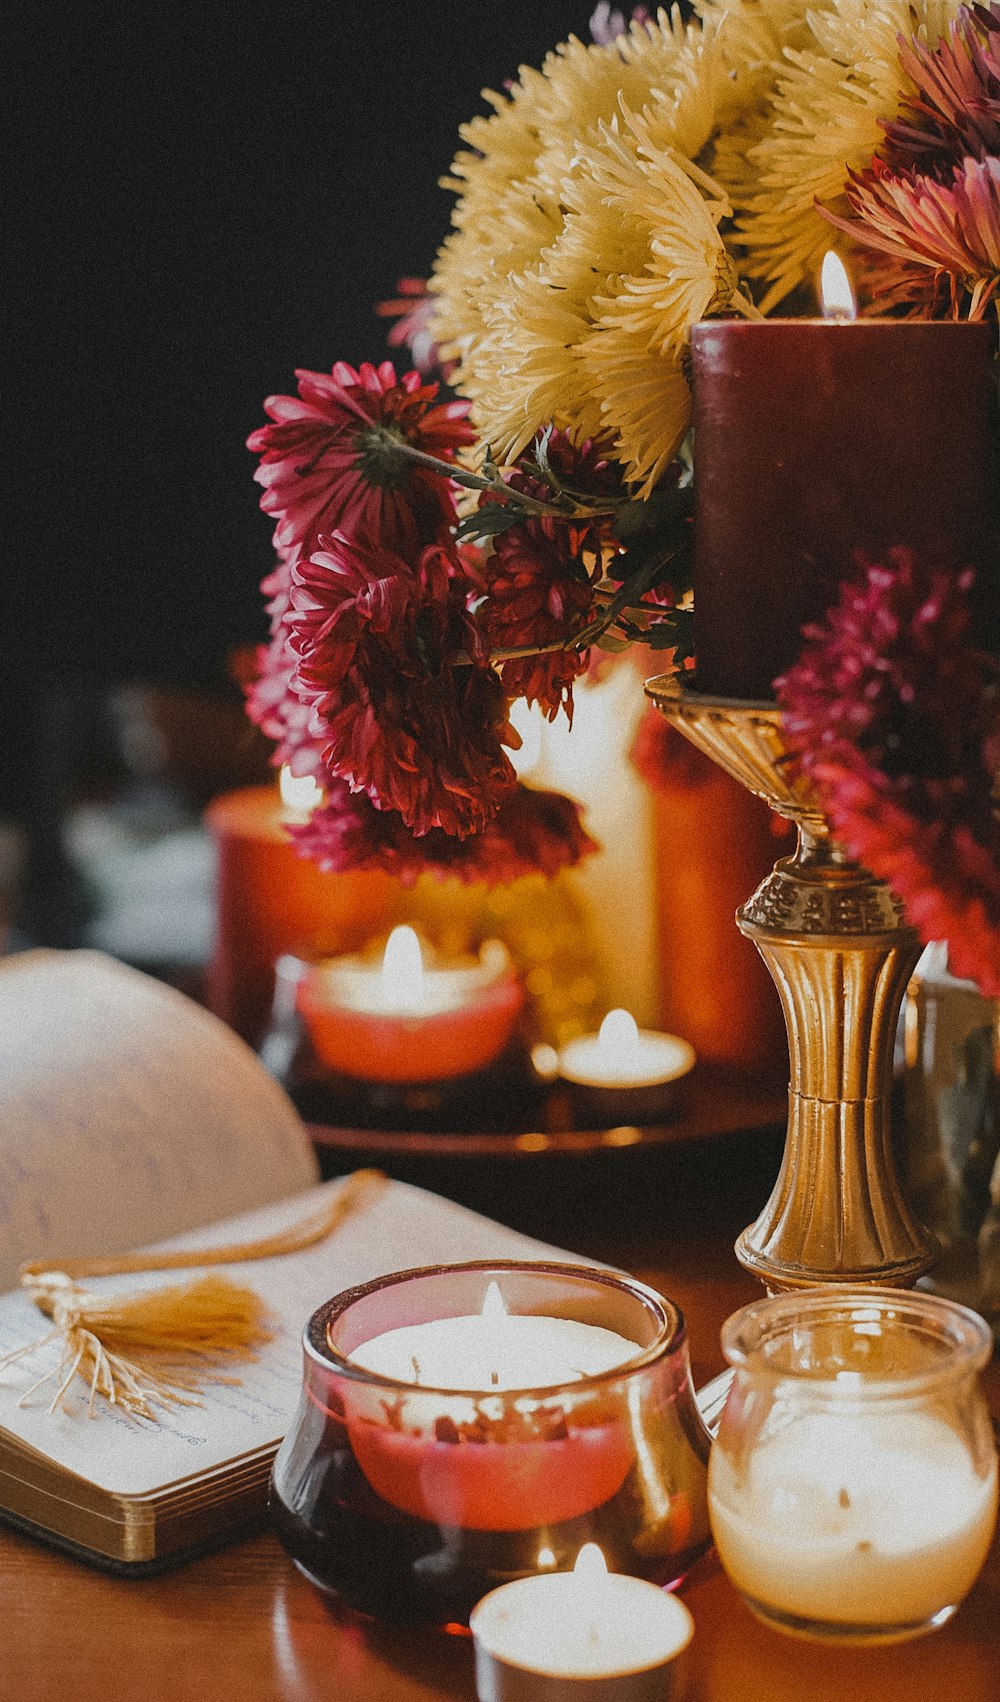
[532, 832]
[945, 227]
[954, 111]
[325, 465]
[271, 702]
[542, 573]
[379, 648]
[889, 711]
[413, 311]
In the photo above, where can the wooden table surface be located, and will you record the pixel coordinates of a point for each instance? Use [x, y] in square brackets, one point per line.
[243, 1623]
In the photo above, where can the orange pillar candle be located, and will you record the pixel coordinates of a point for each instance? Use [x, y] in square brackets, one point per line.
[269, 900]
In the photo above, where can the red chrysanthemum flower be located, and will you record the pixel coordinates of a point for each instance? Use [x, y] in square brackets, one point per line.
[542, 573]
[531, 833]
[413, 311]
[916, 221]
[378, 646]
[326, 464]
[540, 593]
[954, 112]
[271, 702]
[890, 713]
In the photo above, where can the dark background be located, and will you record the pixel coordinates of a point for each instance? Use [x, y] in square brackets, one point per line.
[205, 196]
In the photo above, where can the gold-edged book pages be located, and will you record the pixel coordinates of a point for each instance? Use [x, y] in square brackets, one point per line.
[130, 1116]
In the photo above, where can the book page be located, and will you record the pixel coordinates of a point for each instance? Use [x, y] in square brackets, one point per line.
[401, 1227]
[127, 1113]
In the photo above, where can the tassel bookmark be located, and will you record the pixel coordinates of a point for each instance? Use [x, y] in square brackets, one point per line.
[153, 1348]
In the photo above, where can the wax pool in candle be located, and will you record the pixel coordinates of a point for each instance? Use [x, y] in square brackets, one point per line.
[396, 1019]
[521, 1473]
[621, 1055]
[859, 1518]
[494, 1350]
[814, 438]
[586, 1624]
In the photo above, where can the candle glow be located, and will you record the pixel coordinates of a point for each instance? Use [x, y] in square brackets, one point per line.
[300, 794]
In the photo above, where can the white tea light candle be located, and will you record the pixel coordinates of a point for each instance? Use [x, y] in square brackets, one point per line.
[623, 1056]
[588, 1633]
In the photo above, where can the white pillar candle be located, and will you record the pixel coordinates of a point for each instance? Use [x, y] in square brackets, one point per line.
[874, 1518]
[587, 1633]
[493, 1350]
[621, 1055]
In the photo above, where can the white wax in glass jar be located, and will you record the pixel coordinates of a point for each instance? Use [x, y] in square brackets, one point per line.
[863, 1518]
[493, 1350]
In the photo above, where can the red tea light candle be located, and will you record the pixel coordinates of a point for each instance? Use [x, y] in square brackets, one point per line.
[815, 438]
[589, 1635]
[399, 1020]
[270, 901]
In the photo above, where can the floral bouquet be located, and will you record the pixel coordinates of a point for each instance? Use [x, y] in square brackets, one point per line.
[443, 554]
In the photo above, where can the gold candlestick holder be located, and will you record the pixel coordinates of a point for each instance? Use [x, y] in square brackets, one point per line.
[840, 955]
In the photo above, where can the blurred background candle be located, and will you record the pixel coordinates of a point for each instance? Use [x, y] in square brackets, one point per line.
[270, 901]
[621, 1055]
[394, 1019]
[624, 1071]
[588, 1633]
[814, 438]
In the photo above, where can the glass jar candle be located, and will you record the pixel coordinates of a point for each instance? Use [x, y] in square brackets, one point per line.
[465, 1425]
[853, 1480]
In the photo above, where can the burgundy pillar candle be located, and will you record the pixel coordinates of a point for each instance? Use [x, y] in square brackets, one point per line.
[814, 438]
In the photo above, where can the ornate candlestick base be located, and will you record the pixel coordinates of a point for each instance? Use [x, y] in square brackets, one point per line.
[840, 955]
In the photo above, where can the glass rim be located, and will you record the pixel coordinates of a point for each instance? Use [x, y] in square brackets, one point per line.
[671, 1333]
[968, 1335]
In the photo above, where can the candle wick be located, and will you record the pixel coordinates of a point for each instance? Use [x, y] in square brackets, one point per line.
[844, 1498]
[414, 1361]
[495, 1379]
[593, 1635]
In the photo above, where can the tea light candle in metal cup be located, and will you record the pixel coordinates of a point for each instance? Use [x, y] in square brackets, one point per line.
[625, 1070]
[582, 1636]
[395, 1018]
[460, 1421]
[853, 1480]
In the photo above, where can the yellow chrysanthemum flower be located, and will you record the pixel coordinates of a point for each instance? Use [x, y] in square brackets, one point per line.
[824, 121]
[563, 210]
[644, 317]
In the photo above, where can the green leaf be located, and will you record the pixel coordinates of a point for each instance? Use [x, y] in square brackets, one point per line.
[488, 521]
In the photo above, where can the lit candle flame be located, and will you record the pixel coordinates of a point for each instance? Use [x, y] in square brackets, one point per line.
[299, 792]
[835, 289]
[546, 1557]
[402, 978]
[618, 1035]
[590, 1565]
[493, 1305]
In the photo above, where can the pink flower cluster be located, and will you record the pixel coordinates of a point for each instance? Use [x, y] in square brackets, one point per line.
[377, 678]
[894, 716]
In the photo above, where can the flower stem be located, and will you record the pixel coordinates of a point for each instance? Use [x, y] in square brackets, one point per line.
[481, 482]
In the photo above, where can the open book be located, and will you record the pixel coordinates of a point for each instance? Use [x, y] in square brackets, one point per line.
[128, 1117]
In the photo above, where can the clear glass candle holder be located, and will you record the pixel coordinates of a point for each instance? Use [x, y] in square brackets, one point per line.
[853, 1480]
[411, 1502]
